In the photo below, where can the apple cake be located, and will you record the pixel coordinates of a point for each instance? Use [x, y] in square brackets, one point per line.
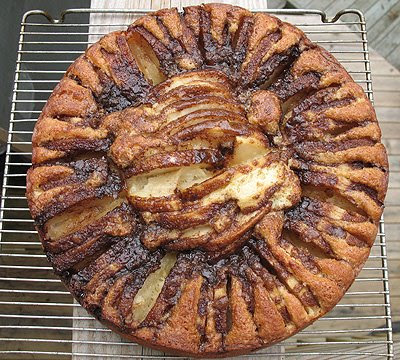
[209, 182]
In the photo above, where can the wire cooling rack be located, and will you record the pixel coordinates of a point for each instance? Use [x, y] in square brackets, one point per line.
[38, 317]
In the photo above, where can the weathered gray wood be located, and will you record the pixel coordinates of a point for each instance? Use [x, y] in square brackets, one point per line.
[100, 337]
[311, 4]
[375, 13]
[389, 40]
[386, 83]
[335, 6]
[388, 98]
[387, 114]
[276, 4]
[362, 5]
[393, 56]
[394, 161]
[393, 235]
[392, 146]
[382, 67]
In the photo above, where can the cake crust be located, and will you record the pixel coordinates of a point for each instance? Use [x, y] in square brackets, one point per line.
[207, 183]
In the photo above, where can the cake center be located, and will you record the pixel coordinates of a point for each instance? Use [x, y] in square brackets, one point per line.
[198, 167]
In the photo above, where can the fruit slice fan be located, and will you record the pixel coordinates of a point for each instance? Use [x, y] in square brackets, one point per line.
[38, 317]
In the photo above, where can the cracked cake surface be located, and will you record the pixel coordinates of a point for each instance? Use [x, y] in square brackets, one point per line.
[209, 182]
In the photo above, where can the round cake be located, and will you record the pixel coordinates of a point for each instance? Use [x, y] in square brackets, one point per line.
[209, 182]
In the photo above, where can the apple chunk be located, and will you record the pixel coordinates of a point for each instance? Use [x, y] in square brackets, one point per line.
[146, 59]
[79, 216]
[147, 296]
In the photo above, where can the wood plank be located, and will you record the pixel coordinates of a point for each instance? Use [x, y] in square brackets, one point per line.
[387, 98]
[392, 145]
[392, 214]
[386, 83]
[362, 5]
[386, 44]
[387, 114]
[394, 163]
[391, 129]
[307, 4]
[381, 17]
[394, 55]
[394, 179]
[97, 339]
[393, 233]
[384, 35]
[395, 274]
[276, 4]
[393, 255]
[249, 4]
[335, 6]
[376, 13]
[392, 197]
[382, 67]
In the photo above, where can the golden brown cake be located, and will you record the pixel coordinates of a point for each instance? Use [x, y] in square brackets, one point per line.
[207, 183]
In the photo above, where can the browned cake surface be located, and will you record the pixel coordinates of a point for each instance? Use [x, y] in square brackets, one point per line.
[207, 183]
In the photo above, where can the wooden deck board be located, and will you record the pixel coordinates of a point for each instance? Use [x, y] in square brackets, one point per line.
[335, 6]
[384, 30]
[393, 56]
[377, 16]
[386, 85]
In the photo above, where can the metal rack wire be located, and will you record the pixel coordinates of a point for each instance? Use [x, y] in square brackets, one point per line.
[38, 317]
